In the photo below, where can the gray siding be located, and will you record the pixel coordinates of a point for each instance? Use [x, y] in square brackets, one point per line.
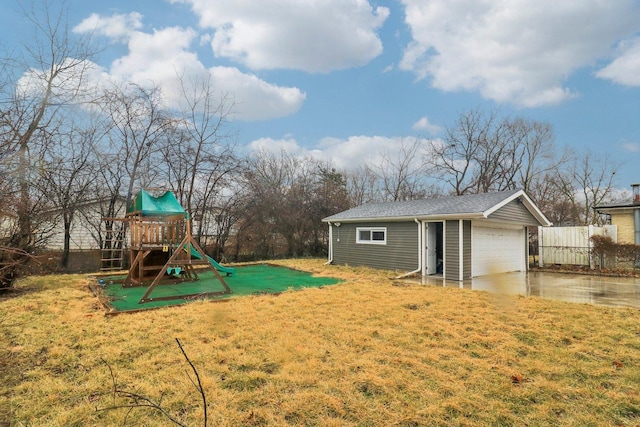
[466, 249]
[400, 252]
[515, 212]
[452, 249]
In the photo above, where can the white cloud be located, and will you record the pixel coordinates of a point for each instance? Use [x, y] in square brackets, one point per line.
[625, 69]
[118, 26]
[509, 50]
[633, 147]
[424, 124]
[354, 151]
[164, 56]
[158, 56]
[256, 99]
[345, 154]
[79, 73]
[310, 35]
[288, 145]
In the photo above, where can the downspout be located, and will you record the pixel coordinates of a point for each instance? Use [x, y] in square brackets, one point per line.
[330, 249]
[420, 252]
[461, 250]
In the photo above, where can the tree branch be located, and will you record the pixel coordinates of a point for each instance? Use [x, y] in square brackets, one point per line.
[138, 400]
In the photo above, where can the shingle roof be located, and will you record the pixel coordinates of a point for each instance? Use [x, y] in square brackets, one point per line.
[467, 205]
[617, 205]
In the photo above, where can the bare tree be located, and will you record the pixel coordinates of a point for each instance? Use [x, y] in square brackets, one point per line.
[109, 186]
[138, 128]
[289, 196]
[270, 180]
[201, 158]
[534, 152]
[401, 176]
[482, 153]
[232, 207]
[587, 181]
[549, 196]
[361, 184]
[47, 75]
[454, 159]
[67, 175]
[329, 196]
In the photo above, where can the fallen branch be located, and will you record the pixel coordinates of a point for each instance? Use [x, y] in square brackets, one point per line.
[199, 385]
[11, 260]
[141, 401]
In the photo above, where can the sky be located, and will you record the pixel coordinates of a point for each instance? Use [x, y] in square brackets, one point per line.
[343, 80]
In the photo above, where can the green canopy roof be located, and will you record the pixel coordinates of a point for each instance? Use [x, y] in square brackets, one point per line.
[167, 204]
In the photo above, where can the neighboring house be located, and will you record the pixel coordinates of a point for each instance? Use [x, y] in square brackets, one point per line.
[625, 215]
[86, 227]
[459, 236]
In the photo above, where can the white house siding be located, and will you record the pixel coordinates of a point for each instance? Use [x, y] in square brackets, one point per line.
[81, 238]
[83, 233]
[497, 249]
[7, 225]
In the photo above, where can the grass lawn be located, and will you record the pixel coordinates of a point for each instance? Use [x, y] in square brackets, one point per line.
[368, 351]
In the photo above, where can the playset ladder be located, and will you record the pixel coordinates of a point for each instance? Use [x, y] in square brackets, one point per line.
[113, 246]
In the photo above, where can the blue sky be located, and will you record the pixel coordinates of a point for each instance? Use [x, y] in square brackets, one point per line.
[344, 79]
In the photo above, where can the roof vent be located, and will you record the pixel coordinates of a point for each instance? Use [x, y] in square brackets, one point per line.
[636, 193]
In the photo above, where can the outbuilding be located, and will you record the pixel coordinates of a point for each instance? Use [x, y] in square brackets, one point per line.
[459, 237]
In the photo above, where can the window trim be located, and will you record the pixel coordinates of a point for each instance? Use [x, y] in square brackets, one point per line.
[371, 230]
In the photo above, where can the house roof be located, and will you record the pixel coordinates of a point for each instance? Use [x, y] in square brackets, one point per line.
[466, 207]
[624, 204]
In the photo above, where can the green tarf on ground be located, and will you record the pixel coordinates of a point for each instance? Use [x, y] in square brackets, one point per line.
[247, 280]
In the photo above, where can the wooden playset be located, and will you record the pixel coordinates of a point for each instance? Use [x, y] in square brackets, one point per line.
[162, 249]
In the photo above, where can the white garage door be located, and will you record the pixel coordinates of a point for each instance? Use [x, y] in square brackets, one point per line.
[497, 250]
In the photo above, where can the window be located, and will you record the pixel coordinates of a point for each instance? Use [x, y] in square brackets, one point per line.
[371, 235]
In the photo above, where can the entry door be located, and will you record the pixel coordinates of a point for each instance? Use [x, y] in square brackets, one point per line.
[431, 260]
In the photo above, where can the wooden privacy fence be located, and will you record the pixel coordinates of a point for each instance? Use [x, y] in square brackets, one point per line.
[570, 245]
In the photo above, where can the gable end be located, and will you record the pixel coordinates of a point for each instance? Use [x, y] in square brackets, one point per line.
[515, 212]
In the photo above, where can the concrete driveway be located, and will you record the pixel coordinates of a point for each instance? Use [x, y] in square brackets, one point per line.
[580, 288]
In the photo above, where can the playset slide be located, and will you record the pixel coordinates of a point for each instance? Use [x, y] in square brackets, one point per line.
[228, 270]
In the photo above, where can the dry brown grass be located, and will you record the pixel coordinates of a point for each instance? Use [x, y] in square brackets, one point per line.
[369, 351]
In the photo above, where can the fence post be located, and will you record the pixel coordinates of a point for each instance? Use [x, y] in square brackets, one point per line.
[590, 246]
[540, 247]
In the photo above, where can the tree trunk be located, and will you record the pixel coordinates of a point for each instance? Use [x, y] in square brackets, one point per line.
[64, 262]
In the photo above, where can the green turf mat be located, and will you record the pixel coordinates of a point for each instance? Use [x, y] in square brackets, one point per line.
[248, 280]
